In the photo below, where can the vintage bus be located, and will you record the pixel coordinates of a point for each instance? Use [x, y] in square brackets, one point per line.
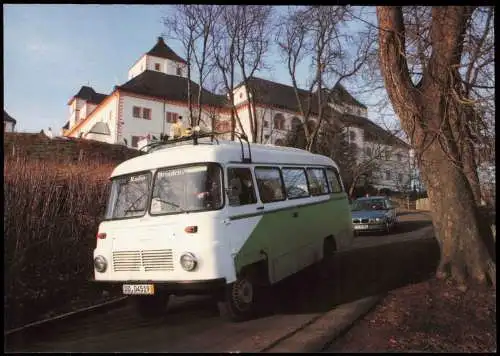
[219, 217]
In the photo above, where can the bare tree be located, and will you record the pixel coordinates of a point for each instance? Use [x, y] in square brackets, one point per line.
[181, 26]
[315, 33]
[241, 42]
[193, 25]
[435, 113]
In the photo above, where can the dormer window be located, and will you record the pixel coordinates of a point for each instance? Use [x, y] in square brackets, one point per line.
[157, 66]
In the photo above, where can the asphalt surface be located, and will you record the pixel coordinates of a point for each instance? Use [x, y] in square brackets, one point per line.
[376, 264]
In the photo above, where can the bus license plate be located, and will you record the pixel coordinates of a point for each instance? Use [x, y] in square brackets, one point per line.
[360, 227]
[141, 289]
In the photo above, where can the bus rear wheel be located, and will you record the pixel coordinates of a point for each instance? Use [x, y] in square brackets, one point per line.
[239, 300]
[150, 306]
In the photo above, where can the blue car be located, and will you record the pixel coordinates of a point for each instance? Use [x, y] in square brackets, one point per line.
[377, 213]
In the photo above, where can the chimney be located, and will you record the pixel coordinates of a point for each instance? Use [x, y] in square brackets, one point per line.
[160, 40]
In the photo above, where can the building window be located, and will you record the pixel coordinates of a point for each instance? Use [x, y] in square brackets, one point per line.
[135, 141]
[353, 148]
[387, 154]
[352, 135]
[295, 182]
[296, 123]
[399, 157]
[368, 151]
[157, 66]
[146, 113]
[179, 71]
[279, 121]
[222, 125]
[136, 111]
[311, 126]
[171, 117]
[241, 95]
[279, 142]
[387, 175]
[266, 124]
[266, 137]
[400, 177]
[270, 184]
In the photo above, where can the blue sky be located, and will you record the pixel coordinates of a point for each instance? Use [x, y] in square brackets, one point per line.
[50, 51]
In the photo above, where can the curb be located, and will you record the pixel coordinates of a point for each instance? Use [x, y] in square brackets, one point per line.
[98, 307]
[323, 331]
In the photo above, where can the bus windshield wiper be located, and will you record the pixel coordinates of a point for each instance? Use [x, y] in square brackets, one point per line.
[170, 203]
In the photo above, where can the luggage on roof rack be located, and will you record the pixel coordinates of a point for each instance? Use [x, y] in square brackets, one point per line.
[194, 135]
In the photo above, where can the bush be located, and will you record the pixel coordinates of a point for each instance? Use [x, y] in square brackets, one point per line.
[51, 215]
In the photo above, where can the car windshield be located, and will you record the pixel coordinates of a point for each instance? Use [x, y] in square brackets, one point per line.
[187, 189]
[129, 196]
[368, 204]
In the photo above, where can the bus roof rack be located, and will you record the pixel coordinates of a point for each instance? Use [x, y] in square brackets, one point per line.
[195, 135]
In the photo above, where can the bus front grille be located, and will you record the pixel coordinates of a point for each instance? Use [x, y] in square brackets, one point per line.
[148, 260]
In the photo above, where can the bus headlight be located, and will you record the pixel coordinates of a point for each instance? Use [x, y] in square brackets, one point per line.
[100, 264]
[188, 261]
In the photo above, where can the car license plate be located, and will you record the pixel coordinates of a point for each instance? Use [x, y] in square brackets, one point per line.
[360, 227]
[142, 289]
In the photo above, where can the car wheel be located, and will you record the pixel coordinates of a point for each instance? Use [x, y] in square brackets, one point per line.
[150, 306]
[239, 302]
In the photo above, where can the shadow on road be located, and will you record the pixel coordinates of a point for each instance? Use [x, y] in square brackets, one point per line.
[357, 274]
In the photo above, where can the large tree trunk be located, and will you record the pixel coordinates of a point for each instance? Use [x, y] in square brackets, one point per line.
[431, 118]
[464, 255]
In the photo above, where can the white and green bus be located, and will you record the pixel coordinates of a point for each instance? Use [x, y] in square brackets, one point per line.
[218, 217]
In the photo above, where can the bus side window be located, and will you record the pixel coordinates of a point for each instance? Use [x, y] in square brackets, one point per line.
[270, 184]
[334, 180]
[241, 189]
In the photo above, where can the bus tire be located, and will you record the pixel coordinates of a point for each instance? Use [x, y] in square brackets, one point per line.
[326, 264]
[150, 306]
[239, 301]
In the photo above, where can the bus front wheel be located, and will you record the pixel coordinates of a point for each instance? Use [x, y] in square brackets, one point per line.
[150, 306]
[238, 303]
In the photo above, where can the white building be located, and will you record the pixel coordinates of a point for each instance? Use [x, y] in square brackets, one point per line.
[156, 94]
[9, 123]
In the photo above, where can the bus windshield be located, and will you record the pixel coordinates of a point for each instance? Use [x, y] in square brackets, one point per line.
[187, 189]
[129, 196]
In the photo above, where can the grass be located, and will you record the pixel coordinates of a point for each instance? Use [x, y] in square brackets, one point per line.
[51, 215]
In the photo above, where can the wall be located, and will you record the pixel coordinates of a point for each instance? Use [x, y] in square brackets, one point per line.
[40, 147]
[423, 204]
[8, 126]
[104, 113]
[137, 68]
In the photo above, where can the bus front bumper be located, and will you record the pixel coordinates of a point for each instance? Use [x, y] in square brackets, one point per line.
[170, 287]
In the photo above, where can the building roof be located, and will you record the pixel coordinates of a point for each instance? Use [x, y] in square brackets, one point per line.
[169, 87]
[380, 134]
[90, 95]
[7, 117]
[161, 50]
[340, 95]
[283, 96]
[100, 128]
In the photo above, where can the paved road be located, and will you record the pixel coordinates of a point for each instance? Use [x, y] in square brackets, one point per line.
[376, 263]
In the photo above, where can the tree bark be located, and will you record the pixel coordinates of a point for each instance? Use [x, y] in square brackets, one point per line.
[431, 119]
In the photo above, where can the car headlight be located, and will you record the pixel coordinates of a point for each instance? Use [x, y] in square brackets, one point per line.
[100, 264]
[379, 219]
[188, 261]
